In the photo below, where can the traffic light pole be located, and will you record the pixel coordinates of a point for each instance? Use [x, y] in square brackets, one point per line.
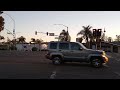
[67, 29]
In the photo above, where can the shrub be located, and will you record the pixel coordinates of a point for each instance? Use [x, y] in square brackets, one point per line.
[34, 49]
[13, 48]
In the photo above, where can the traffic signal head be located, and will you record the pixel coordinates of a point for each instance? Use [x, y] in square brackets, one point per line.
[1, 23]
[99, 32]
[35, 32]
[94, 32]
[47, 33]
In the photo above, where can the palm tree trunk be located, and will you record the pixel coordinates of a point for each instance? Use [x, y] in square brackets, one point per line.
[87, 42]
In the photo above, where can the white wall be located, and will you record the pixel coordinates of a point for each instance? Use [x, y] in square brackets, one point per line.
[20, 47]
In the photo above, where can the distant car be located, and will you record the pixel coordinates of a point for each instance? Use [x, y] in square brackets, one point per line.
[60, 52]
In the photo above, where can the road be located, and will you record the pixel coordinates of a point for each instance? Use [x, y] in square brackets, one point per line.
[33, 65]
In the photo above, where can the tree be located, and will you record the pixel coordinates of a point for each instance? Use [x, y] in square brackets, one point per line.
[1, 23]
[21, 39]
[110, 39]
[79, 39]
[32, 40]
[117, 38]
[64, 36]
[13, 41]
[86, 33]
[8, 41]
[39, 41]
[2, 38]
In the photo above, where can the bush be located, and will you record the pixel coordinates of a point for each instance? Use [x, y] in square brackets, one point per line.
[34, 49]
[13, 48]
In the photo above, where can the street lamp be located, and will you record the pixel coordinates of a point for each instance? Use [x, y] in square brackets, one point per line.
[14, 36]
[62, 25]
[67, 37]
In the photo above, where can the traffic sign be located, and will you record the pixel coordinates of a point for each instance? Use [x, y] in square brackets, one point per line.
[51, 34]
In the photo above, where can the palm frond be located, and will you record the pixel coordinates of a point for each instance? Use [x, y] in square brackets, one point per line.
[82, 32]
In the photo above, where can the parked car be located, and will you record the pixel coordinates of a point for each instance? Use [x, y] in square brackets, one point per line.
[60, 52]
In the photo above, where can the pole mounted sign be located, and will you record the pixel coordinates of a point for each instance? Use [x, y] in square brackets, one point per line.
[51, 34]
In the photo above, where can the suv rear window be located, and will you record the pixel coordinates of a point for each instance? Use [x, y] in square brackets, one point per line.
[53, 45]
[64, 46]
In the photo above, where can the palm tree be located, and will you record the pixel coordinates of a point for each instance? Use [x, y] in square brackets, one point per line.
[39, 41]
[2, 38]
[64, 36]
[32, 40]
[8, 41]
[86, 33]
[21, 39]
[13, 41]
[110, 39]
[117, 38]
[80, 39]
[1, 23]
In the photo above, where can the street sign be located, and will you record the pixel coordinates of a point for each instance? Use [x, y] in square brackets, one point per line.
[51, 34]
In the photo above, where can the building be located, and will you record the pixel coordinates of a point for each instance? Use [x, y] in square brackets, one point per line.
[28, 46]
[108, 47]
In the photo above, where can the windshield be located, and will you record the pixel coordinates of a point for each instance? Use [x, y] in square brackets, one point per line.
[82, 46]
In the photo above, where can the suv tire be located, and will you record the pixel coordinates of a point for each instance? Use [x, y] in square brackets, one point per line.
[56, 60]
[96, 62]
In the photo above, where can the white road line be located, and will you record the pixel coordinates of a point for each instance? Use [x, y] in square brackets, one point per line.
[53, 75]
[117, 73]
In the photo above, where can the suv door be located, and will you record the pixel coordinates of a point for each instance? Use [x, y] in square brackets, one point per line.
[77, 53]
[64, 48]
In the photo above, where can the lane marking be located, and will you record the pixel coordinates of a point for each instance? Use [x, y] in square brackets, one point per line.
[53, 75]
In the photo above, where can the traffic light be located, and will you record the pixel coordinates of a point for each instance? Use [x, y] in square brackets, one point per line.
[99, 32]
[94, 32]
[1, 23]
[47, 33]
[35, 32]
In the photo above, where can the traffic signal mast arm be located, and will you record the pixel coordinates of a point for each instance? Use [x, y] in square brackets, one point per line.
[50, 34]
[41, 32]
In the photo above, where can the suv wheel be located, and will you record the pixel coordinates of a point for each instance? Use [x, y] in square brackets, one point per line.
[56, 60]
[96, 62]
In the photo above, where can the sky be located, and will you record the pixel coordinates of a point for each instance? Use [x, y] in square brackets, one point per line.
[27, 22]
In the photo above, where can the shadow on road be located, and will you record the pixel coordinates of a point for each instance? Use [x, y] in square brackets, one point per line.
[75, 64]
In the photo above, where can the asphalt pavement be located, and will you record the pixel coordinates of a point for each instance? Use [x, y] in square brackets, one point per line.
[33, 65]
